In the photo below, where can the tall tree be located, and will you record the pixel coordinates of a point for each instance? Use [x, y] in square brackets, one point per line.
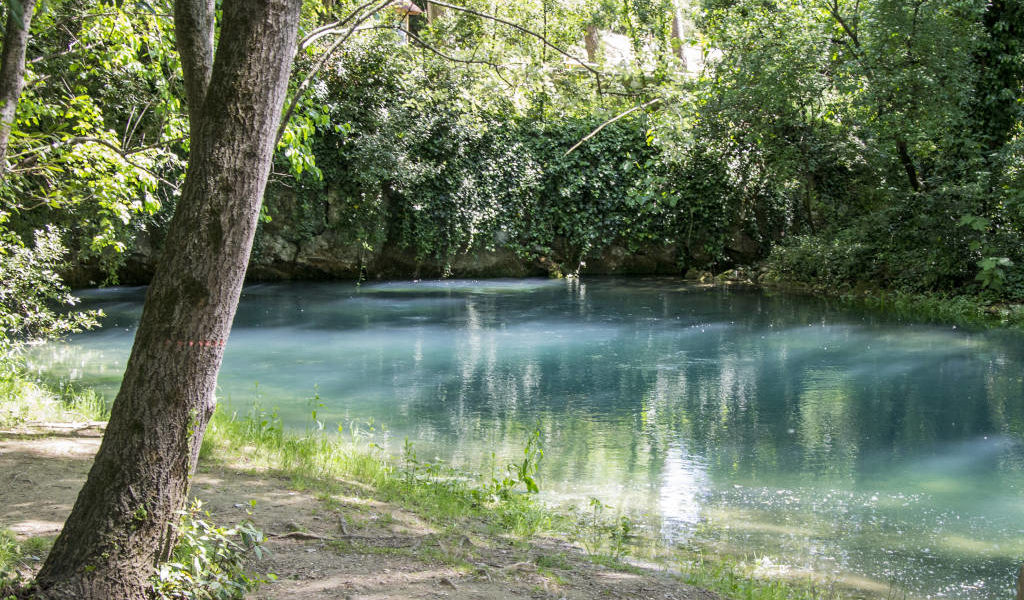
[12, 68]
[123, 520]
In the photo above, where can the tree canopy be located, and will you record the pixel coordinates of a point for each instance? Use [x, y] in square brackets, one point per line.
[849, 144]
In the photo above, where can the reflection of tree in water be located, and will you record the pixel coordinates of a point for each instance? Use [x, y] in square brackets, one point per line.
[755, 397]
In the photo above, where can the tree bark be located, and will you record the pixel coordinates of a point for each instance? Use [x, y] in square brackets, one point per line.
[193, 35]
[123, 521]
[590, 42]
[677, 38]
[12, 71]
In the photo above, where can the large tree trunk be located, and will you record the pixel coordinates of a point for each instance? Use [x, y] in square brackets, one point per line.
[123, 520]
[12, 71]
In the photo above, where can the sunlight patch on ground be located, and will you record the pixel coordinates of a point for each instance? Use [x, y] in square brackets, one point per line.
[34, 527]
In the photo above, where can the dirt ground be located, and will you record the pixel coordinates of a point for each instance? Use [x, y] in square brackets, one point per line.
[347, 546]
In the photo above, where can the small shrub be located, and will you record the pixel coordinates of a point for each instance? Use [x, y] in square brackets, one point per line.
[209, 561]
[596, 531]
[30, 289]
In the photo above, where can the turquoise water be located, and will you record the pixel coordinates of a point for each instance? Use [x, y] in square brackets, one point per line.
[807, 438]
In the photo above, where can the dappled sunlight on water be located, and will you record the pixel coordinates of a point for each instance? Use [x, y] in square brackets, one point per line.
[775, 428]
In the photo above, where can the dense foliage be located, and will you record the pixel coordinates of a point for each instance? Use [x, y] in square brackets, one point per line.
[209, 561]
[853, 145]
[32, 294]
[893, 128]
[94, 143]
[415, 161]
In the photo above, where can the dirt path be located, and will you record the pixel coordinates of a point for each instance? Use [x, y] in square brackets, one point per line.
[347, 546]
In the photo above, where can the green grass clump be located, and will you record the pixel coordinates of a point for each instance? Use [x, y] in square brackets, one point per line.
[17, 557]
[319, 461]
[24, 400]
[735, 581]
[9, 550]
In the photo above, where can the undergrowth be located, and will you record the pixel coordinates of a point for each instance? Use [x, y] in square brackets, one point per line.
[209, 561]
[18, 558]
[961, 308]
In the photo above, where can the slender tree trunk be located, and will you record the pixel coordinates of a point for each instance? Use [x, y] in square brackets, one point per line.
[434, 12]
[677, 38]
[12, 71]
[908, 164]
[123, 520]
[590, 42]
[193, 35]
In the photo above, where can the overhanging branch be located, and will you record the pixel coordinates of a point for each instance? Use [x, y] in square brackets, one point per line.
[30, 156]
[332, 28]
[518, 27]
[320, 65]
[609, 122]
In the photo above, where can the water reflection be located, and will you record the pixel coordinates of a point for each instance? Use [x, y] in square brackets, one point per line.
[884, 453]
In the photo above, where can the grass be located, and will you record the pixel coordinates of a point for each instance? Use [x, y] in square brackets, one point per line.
[318, 461]
[733, 580]
[18, 556]
[9, 550]
[26, 400]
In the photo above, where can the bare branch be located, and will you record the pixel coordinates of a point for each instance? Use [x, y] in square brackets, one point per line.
[609, 122]
[465, 61]
[472, 61]
[320, 65]
[331, 28]
[518, 27]
[132, 125]
[69, 50]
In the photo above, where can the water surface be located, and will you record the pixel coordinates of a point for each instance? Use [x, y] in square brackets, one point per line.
[807, 437]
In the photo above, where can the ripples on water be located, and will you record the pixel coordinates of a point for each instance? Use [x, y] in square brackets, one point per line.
[885, 454]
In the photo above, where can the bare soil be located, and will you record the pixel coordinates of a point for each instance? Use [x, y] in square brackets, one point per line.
[345, 546]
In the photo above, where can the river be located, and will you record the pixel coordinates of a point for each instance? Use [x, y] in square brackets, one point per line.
[802, 436]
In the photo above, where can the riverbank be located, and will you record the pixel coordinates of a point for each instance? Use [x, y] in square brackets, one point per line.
[344, 520]
[965, 310]
[340, 544]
